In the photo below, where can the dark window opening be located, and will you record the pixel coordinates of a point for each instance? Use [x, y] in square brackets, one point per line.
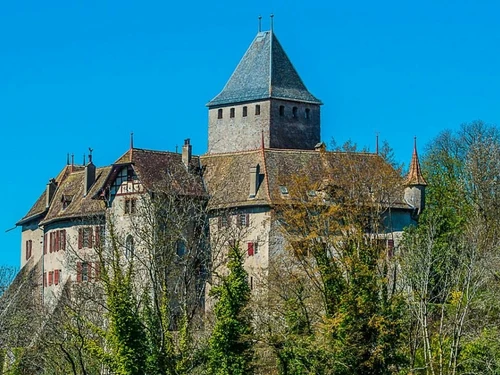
[257, 109]
[219, 113]
[243, 220]
[85, 271]
[129, 247]
[308, 113]
[231, 113]
[245, 111]
[181, 248]
[282, 110]
[294, 112]
[130, 206]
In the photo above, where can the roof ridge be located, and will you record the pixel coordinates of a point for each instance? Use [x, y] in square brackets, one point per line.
[231, 153]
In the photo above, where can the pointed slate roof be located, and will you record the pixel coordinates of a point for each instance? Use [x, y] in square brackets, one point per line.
[265, 71]
[415, 176]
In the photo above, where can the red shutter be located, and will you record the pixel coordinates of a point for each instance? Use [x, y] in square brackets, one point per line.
[63, 239]
[79, 272]
[80, 238]
[90, 236]
[250, 248]
[58, 238]
[89, 271]
[26, 251]
[31, 248]
[56, 277]
[247, 220]
[45, 279]
[51, 277]
[45, 243]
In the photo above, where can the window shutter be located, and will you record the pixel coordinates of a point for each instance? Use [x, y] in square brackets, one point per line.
[51, 241]
[247, 220]
[31, 248]
[80, 238]
[51, 277]
[56, 277]
[390, 245]
[89, 271]
[45, 279]
[26, 251]
[97, 237]
[45, 243]
[58, 238]
[250, 248]
[89, 233]
[63, 239]
[79, 272]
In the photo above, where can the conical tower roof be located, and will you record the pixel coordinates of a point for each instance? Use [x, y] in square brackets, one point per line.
[415, 176]
[265, 71]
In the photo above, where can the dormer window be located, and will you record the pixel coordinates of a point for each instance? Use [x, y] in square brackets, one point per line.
[231, 113]
[66, 200]
[257, 110]
[219, 113]
[245, 111]
[294, 112]
[308, 114]
[282, 110]
[283, 189]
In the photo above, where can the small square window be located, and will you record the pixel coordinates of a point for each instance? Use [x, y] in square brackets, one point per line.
[257, 109]
[231, 113]
[245, 111]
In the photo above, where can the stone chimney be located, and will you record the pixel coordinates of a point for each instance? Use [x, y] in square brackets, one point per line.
[89, 177]
[186, 153]
[51, 189]
[254, 180]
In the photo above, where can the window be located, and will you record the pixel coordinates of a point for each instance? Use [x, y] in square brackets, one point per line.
[224, 221]
[231, 113]
[257, 109]
[308, 114]
[98, 235]
[243, 220]
[29, 249]
[85, 237]
[129, 247]
[245, 109]
[130, 206]
[85, 271]
[130, 174]
[283, 189]
[66, 200]
[282, 110]
[61, 239]
[219, 113]
[181, 248]
[294, 112]
[251, 282]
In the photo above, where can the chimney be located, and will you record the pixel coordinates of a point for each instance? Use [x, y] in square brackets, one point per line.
[254, 180]
[51, 189]
[186, 152]
[89, 177]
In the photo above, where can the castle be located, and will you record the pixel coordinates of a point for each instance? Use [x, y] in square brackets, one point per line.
[264, 126]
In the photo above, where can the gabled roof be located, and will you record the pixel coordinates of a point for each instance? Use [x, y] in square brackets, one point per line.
[227, 175]
[415, 176]
[265, 71]
[159, 170]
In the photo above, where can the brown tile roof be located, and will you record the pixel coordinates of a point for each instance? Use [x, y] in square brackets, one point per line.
[160, 170]
[39, 208]
[80, 206]
[228, 179]
[415, 176]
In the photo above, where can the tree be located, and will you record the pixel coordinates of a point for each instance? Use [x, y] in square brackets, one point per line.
[230, 344]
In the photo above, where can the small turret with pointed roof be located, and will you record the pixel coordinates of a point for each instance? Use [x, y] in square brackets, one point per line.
[264, 95]
[415, 183]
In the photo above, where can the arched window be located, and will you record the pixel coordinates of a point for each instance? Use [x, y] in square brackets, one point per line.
[294, 112]
[219, 113]
[129, 246]
[282, 110]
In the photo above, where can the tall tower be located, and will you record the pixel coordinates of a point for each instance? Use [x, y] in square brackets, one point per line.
[415, 183]
[264, 99]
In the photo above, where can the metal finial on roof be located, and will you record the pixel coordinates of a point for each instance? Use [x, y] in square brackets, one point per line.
[67, 158]
[84, 159]
[90, 154]
[272, 22]
[376, 146]
[132, 140]
[260, 23]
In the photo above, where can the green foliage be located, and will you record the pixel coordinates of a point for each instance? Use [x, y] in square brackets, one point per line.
[230, 345]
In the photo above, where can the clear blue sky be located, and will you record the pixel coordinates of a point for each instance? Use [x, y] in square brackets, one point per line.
[79, 74]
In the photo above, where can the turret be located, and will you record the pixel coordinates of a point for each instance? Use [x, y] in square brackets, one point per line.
[414, 193]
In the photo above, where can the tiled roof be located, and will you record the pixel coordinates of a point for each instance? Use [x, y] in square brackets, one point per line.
[415, 176]
[265, 71]
[228, 178]
[163, 169]
[81, 205]
[39, 208]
